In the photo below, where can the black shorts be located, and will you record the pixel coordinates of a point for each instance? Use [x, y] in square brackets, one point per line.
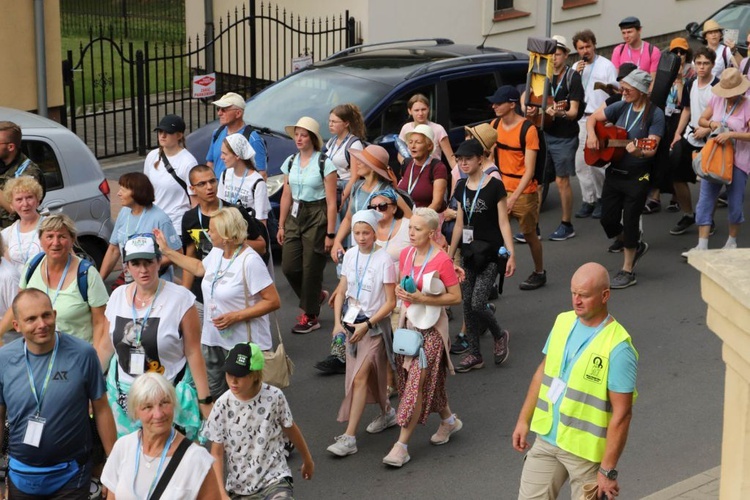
[681, 161]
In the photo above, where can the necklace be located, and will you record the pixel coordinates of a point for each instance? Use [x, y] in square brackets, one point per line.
[147, 461]
[144, 301]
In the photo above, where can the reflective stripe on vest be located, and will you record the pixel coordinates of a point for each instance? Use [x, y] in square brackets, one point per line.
[585, 410]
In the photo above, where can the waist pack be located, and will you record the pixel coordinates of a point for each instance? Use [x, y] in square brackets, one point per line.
[41, 481]
[715, 161]
[410, 343]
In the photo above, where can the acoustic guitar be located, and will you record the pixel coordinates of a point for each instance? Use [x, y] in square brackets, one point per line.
[541, 116]
[613, 140]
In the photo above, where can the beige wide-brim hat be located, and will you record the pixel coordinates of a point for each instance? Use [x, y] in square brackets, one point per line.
[731, 84]
[309, 124]
[710, 26]
[375, 157]
[484, 133]
[421, 315]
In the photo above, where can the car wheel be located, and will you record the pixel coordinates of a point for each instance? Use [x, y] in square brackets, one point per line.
[92, 250]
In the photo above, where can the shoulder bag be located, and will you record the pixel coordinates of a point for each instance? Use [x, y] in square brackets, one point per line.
[278, 367]
[715, 161]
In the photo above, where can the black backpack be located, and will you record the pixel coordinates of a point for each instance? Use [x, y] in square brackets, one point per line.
[540, 167]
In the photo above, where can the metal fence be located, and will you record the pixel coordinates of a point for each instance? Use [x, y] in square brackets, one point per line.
[162, 20]
[117, 91]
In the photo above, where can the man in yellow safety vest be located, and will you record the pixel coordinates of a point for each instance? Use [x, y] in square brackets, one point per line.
[580, 399]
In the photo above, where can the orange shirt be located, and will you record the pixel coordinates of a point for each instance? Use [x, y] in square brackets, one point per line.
[512, 166]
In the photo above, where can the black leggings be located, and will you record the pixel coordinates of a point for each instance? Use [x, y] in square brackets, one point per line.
[476, 289]
[623, 198]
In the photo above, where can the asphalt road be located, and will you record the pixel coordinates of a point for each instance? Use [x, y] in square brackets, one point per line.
[676, 427]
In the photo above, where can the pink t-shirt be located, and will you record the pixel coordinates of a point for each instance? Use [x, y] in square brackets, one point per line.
[441, 263]
[646, 58]
[737, 122]
[437, 130]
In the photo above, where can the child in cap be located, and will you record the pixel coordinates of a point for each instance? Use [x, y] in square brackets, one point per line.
[247, 427]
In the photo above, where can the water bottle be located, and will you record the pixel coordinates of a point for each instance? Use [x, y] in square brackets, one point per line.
[339, 339]
[340, 256]
[503, 253]
[402, 148]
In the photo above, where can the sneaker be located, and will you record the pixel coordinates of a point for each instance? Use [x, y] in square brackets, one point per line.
[673, 206]
[729, 246]
[398, 456]
[382, 422]
[534, 281]
[445, 431]
[344, 445]
[501, 347]
[562, 233]
[306, 324]
[460, 345]
[492, 307]
[623, 279]
[721, 201]
[651, 207]
[585, 211]
[331, 366]
[713, 229]
[687, 252]
[597, 210]
[468, 363]
[324, 296]
[640, 251]
[616, 246]
[682, 225]
[519, 238]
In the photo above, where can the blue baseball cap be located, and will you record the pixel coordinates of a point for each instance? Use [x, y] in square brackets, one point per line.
[506, 93]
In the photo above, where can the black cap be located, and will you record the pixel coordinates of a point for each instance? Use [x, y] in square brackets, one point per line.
[506, 93]
[472, 147]
[171, 124]
[630, 22]
[625, 70]
[243, 359]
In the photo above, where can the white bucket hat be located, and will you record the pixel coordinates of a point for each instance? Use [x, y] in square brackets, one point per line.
[421, 315]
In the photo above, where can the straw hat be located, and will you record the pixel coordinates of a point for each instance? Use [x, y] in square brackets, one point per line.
[731, 84]
[710, 26]
[562, 43]
[421, 315]
[375, 157]
[309, 124]
[484, 133]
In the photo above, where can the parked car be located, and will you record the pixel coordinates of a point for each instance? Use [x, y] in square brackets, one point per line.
[734, 15]
[380, 79]
[75, 182]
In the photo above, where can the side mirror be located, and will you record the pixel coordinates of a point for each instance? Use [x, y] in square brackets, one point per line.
[692, 28]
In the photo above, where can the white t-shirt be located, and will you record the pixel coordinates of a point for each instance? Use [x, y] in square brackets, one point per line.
[161, 337]
[722, 52]
[253, 438]
[399, 240]
[601, 70]
[373, 270]
[9, 279]
[169, 195]
[249, 191]
[20, 247]
[337, 154]
[229, 295]
[699, 99]
[119, 471]
[437, 130]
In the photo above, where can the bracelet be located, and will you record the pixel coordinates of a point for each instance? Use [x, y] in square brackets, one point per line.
[369, 325]
[331, 235]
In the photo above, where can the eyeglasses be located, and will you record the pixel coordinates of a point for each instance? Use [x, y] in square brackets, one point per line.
[380, 207]
[627, 90]
[203, 184]
[679, 52]
[334, 122]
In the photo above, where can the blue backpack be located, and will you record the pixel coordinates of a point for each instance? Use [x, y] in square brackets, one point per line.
[81, 276]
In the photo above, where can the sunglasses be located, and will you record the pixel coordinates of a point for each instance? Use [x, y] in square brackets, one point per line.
[679, 52]
[380, 207]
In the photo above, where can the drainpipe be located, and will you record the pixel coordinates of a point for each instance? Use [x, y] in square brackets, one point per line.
[41, 58]
[549, 19]
[208, 10]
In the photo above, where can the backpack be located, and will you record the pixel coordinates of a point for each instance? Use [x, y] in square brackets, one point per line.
[622, 49]
[581, 105]
[431, 173]
[248, 131]
[540, 166]
[346, 147]
[81, 275]
[321, 165]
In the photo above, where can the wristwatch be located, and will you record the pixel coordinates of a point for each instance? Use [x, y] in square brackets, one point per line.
[610, 474]
[369, 325]
[207, 400]
[330, 235]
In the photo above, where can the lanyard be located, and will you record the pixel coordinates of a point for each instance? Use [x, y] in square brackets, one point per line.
[640, 54]
[361, 278]
[727, 115]
[627, 118]
[40, 397]
[413, 182]
[239, 189]
[370, 196]
[591, 73]
[567, 359]
[390, 233]
[200, 221]
[139, 331]
[335, 149]
[301, 175]
[161, 462]
[424, 264]
[219, 274]
[559, 83]
[137, 226]
[53, 298]
[470, 211]
[18, 237]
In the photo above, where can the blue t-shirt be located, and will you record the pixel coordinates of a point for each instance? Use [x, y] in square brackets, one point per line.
[128, 224]
[214, 151]
[623, 368]
[76, 379]
[639, 126]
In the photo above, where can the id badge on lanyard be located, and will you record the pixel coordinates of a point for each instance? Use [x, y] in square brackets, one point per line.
[34, 429]
[352, 312]
[295, 208]
[468, 235]
[137, 361]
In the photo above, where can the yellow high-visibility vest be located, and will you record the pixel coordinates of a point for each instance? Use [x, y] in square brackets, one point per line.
[585, 410]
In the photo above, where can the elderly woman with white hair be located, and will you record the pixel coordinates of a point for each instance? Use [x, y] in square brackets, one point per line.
[241, 183]
[364, 300]
[424, 177]
[428, 283]
[156, 461]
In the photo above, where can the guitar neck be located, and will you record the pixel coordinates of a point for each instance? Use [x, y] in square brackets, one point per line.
[618, 143]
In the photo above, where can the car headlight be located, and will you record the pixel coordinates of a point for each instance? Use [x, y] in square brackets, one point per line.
[274, 184]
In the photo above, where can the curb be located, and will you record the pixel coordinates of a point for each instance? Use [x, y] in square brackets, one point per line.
[690, 486]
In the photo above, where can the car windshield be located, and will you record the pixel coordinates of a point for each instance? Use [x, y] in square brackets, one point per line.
[311, 93]
[734, 16]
